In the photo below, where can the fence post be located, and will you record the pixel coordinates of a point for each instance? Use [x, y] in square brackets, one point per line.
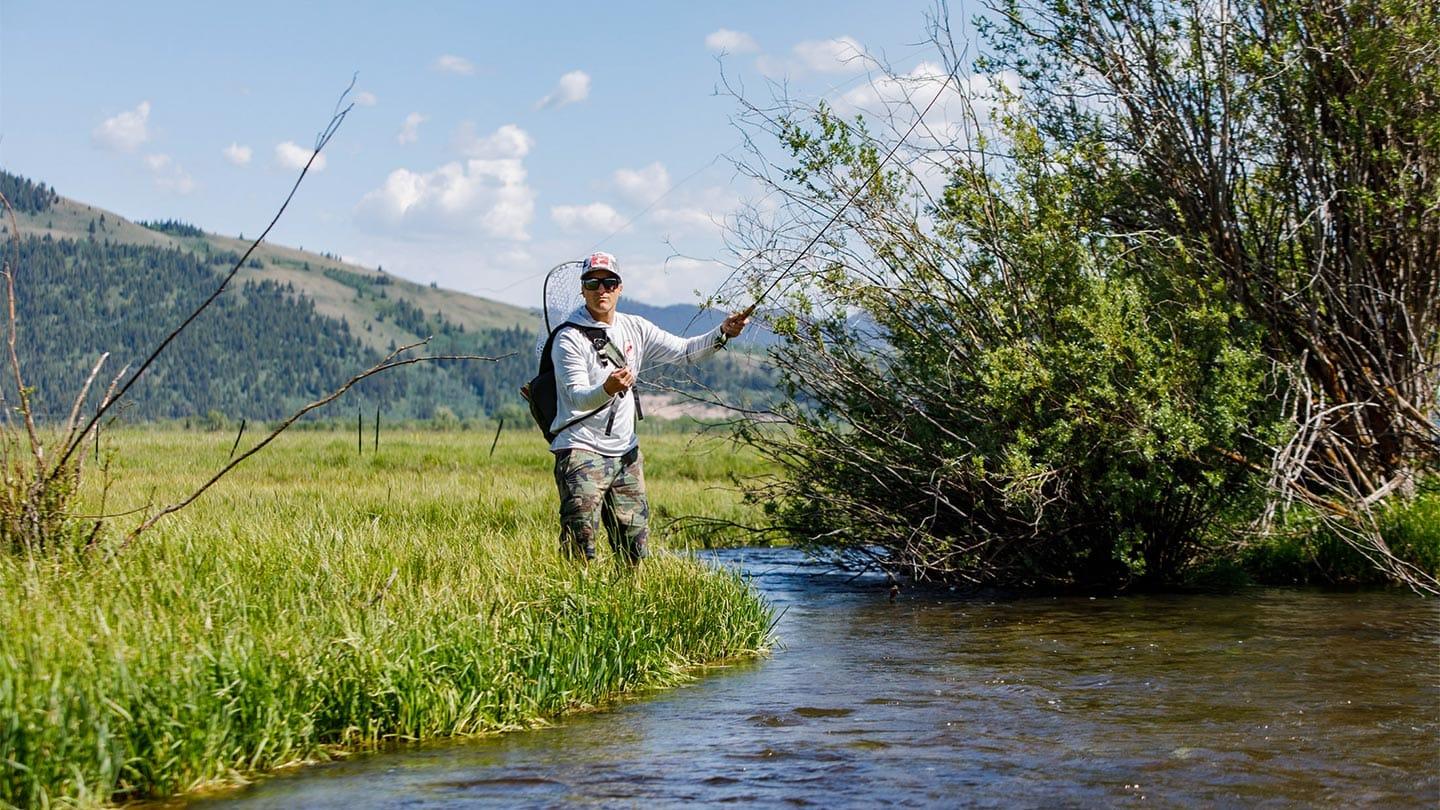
[498, 428]
[237, 438]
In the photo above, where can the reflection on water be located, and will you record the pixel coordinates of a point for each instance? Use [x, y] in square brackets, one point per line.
[1268, 696]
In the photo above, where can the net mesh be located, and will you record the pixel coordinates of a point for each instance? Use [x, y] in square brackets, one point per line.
[562, 297]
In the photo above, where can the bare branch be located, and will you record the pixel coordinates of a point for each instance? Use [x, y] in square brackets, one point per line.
[321, 141]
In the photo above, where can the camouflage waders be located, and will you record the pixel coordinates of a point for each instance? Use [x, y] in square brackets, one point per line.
[595, 488]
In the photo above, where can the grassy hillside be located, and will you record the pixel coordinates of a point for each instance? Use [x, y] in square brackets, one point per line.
[335, 286]
[292, 326]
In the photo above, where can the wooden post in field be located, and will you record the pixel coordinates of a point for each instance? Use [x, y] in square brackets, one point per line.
[498, 428]
[237, 438]
[377, 429]
[359, 432]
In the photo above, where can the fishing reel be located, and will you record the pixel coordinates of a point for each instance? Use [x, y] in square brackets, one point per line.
[609, 354]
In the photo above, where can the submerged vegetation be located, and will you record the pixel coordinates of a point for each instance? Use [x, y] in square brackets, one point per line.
[320, 600]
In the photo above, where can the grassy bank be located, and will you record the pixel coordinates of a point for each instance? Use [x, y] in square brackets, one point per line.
[319, 600]
[1305, 552]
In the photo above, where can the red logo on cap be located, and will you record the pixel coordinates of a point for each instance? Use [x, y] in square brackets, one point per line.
[599, 261]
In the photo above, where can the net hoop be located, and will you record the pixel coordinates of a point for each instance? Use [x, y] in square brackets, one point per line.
[561, 293]
[560, 296]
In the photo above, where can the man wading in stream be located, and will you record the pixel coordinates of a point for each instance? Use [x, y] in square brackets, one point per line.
[598, 467]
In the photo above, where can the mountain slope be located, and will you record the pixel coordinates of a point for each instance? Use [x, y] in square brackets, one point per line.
[339, 289]
[292, 325]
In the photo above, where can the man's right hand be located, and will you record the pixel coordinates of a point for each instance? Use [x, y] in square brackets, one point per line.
[619, 381]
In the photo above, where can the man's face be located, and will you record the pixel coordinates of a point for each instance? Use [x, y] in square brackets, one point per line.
[602, 299]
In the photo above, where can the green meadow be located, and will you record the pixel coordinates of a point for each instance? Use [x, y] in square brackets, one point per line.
[320, 600]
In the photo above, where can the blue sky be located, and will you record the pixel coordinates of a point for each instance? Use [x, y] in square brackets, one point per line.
[489, 141]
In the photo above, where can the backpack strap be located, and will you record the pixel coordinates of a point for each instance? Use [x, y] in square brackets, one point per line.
[599, 338]
[548, 365]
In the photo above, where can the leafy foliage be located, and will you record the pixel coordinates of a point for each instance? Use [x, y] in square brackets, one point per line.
[1181, 263]
[1294, 150]
[1029, 407]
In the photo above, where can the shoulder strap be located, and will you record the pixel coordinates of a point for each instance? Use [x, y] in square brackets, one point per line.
[597, 338]
[546, 364]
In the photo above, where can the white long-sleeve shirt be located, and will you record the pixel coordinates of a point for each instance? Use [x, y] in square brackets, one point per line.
[580, 378]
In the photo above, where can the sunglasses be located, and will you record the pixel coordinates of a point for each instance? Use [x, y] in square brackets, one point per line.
[593, 284]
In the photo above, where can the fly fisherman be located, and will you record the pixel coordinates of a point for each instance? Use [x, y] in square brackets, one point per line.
[598, 467]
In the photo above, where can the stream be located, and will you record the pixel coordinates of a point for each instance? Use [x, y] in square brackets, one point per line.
[1279, 697]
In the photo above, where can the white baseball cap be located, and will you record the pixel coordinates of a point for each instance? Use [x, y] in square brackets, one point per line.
[600, 261]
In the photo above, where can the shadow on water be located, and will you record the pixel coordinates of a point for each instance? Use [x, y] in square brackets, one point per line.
[1267, 696]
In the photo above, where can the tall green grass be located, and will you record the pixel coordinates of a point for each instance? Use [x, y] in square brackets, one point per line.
[1305, 551]
[318, 600]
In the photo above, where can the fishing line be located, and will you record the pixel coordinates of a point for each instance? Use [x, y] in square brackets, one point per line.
[823, 93]
[853, 195]
[867, 75]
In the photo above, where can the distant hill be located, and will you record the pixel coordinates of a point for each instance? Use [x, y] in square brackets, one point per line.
[293, 324]
[339, 289]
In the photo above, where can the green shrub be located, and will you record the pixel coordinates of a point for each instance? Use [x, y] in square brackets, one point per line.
[1016, 406]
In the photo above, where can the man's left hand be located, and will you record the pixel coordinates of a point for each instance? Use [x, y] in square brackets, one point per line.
[735, 324]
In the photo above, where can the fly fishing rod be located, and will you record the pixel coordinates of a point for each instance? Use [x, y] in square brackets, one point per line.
[750, 310]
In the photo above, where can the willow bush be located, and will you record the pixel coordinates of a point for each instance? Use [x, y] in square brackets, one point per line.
[1013, 398]
[1179, 289]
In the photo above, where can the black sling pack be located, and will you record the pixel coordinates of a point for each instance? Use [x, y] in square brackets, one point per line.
[540, 391]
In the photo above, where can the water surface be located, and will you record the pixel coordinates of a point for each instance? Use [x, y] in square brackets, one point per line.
[1263, 697]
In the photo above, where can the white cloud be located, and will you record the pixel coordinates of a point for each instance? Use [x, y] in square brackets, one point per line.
[689, 219]
[592, 217]
[643, 186]
[410, 130]
[839, 55]
[489, 197]
[963, 108]
[824, 56]
[458, 65]
[180, 182]
[509, 141]
[168, 175]
[671, 280]
[726, 41]
[293, 156]
[126, 131]
[907, 94]
[574, 86]
[365, 98]
[238, 155]
[697, 212]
